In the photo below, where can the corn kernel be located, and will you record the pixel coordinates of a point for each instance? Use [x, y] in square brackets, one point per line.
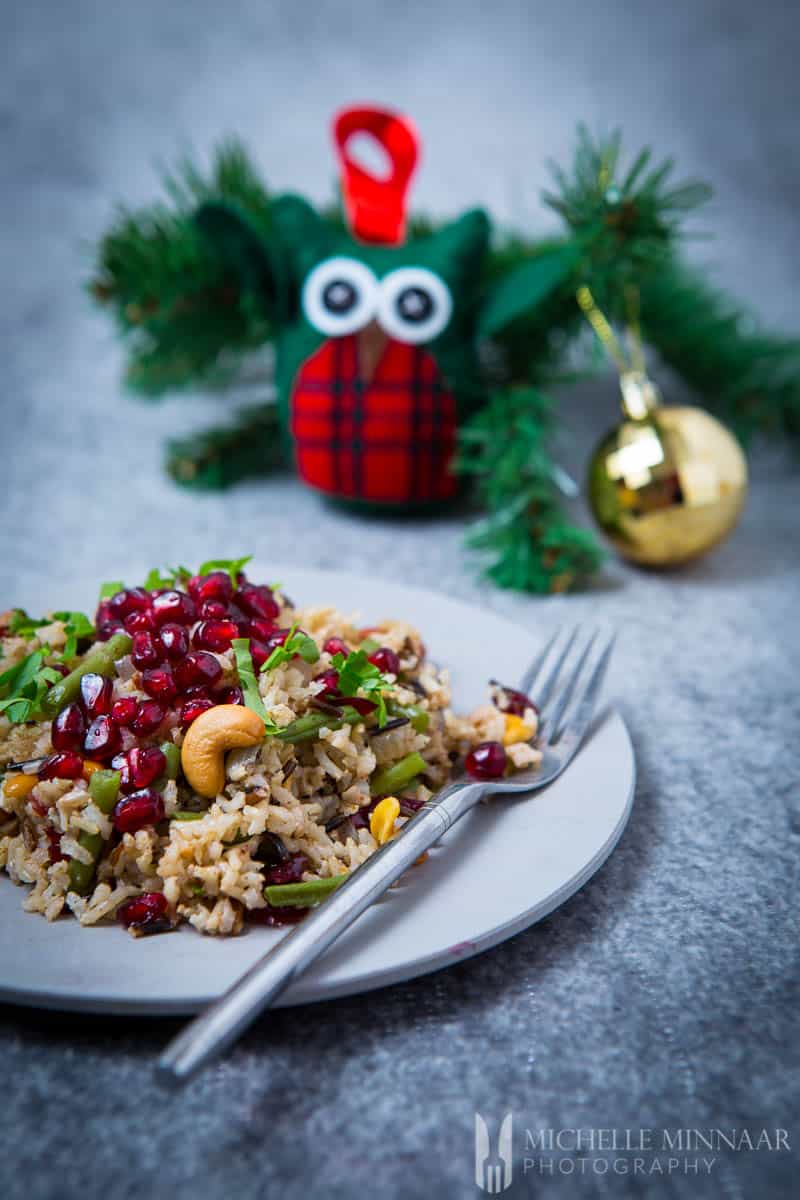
[384, 815]
[18, 786]
[516, 730]
[90, 766]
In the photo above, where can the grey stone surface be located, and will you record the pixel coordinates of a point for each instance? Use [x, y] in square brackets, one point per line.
[664, 994]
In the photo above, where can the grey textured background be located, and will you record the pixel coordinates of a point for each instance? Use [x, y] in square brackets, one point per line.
[664, 994]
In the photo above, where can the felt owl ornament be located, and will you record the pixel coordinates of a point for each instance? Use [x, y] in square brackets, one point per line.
[376, 332]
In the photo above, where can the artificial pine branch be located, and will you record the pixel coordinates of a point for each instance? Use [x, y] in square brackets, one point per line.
[175, 302]
[532, 543]
[751, 378]
[250, 444]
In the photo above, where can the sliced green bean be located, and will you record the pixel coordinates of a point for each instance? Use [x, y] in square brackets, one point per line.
[99, 661]
[419, 717]
[398, 775]
[307, 727]
[104, 789]
[302, 895]
[172, 754]
[183, 814]
[81, 874]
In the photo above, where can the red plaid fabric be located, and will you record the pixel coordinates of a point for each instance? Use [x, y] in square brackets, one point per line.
[390, 441]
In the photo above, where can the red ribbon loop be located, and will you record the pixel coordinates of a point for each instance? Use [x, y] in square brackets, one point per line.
[376, 208]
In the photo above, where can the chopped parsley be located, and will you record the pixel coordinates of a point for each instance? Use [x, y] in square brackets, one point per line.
[23, 687]
[21, 625]
[77, 627]
[356, 673]
[296, 643]
[232, 565]
[110, 588]
[249, 683]
[166, 577]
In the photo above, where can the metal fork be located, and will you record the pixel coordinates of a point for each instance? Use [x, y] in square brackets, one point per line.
[559, 738]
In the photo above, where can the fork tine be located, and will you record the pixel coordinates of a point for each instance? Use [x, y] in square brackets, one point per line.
[552, 720]
[530, 676]
[544, 691]
[576, 728]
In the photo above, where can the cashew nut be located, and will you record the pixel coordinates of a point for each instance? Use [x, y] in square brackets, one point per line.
[224, 727]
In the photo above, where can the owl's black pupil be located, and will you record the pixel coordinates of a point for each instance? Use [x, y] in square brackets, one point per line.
[339, 296]
[414, 305]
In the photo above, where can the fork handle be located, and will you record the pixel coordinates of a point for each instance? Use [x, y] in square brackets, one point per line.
[226, 1018]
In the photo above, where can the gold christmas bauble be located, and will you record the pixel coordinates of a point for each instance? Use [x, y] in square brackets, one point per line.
[666, 484]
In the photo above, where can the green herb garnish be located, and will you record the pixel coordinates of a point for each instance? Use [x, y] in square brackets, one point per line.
[357, 673]
[232, 565]
[76, 626]
[165, 578]
[296, 643]
[247, 678]
[21, 625]
[110, 588]
[24, 686]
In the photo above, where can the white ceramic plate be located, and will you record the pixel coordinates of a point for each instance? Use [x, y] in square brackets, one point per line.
[502, 868]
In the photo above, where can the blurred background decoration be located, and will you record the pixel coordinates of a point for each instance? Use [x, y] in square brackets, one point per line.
[203, 280]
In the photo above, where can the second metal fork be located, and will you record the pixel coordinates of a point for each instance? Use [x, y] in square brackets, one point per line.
[560, 672]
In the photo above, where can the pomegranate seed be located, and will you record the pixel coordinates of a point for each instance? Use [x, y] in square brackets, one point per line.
[107, 629]
[96, 692]
[192, 709]
[68, 728]
[197, 692]
[273, 915]
[509, 700]
[54, 839]
[231, 695]
[290, 871]
[330, 679]
[277, 638]
[146, 651]
[257, 602]
[62, 669]
[214, 586]
[102, 738]
[174, 640]
[215, 635]
[259, 653]
[487, 761]
[140, 767]
[128, 601]
[259, 628]
[386, 661]
[212, 610]
[159, 684]
[103, 612]
[147, 719]
[141, 808]
[199, 667]
[174, 607]
[68, 765]
[335, 645]
[140, 621]
[146, 913]
[124, 710]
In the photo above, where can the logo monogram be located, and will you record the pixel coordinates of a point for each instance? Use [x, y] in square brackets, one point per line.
[493, 1171]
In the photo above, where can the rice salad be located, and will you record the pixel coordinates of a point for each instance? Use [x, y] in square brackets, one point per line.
[203, 751]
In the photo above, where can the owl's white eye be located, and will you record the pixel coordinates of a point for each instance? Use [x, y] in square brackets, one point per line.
[414, 304]
[340, 296]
